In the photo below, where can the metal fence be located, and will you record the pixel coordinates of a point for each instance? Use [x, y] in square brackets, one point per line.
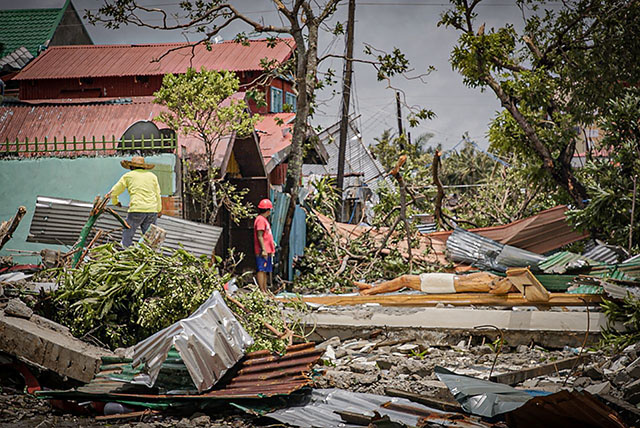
[85, 145]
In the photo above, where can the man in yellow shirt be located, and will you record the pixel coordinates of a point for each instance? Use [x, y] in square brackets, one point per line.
[144, 194]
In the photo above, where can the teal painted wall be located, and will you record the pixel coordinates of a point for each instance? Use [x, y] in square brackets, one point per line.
[23, 180]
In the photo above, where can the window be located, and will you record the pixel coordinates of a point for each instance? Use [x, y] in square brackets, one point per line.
[276, 100]
[291, 100]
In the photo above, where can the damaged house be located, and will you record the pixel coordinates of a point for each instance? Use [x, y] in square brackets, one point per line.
[82, 109]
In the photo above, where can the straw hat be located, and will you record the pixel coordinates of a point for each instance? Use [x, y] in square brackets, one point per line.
[136, 162]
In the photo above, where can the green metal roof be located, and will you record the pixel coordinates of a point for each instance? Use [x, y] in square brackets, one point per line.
[31, 28]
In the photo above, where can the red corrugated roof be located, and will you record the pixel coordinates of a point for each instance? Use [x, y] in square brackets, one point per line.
[546, 231]
[274, 136]
[80, 119]
[62, 62]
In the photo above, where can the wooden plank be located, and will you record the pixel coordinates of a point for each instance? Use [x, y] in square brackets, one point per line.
[131, 415]
[446, 406]
[458, 299]
[528, 284]
[514, 378]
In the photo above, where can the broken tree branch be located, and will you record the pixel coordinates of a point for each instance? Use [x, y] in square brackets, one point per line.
[7, 228]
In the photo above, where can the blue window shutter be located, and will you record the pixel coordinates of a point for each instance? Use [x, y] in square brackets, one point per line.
[276, 100]
[292, 100]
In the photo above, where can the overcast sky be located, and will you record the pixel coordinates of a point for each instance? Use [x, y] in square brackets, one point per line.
[407, 24]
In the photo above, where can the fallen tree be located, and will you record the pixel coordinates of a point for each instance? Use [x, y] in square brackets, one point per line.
[119, 297]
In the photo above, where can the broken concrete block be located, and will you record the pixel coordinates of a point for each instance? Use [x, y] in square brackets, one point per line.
[599, 388]
[582, 382]
[340, 353]
[594, 372]
[632, 388]
[621, 378]
[619, 364]
[364, 367]
[633, 369]
[329, 354]
[334, 342]
[384, 364]
[522, 349]
[17, 308]
[44, 347]
[483, 350]
[407, 348]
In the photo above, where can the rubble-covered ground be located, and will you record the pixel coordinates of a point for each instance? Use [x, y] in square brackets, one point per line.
[371, 366]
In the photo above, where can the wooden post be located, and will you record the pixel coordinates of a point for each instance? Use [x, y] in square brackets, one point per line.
[399, 115]
[7, 228]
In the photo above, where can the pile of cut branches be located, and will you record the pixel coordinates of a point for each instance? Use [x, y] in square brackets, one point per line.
[119, 297]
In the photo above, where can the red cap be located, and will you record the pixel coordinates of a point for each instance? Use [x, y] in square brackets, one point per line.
[265, 204]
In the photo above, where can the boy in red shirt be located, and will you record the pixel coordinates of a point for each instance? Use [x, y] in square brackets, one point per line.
[263, 244]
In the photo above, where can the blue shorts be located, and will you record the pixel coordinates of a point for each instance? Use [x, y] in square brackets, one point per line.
[264, 263]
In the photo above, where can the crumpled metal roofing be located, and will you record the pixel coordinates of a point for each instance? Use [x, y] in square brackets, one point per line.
[358, 159]
[323, 404]
[546, 231]
[605, 254]
[66, 62]
[210, 342]
[258, 375]
[60, 221]
[471, 248]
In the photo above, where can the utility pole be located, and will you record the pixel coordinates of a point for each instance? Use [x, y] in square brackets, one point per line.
[346, 99]
[399, 114]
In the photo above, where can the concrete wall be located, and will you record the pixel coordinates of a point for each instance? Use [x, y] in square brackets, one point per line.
[21, 181]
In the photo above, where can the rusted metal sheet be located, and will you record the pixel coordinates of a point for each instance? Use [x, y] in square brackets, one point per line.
[59, 62]
[564, 409]
[260, 374]
[87, 123]
[546, 231]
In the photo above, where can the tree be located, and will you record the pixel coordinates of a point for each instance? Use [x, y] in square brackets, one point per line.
[303, 20]
[201, 104]
[554, 77]
[612, 180]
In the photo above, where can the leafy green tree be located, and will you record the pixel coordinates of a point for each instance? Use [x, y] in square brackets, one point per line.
[554, 76]
[613, 180]
[200, 104]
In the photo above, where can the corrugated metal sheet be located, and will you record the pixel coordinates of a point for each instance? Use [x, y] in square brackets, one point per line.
[605, 254]
[279, 214]
[297, 237]
[324, 404]
[210, 342]
[60, 221]
[358, 159]
[275, 139]
[482, 252]
[546, 231]
[472, 249]
[258, 375]
[565, 261]
[80, 119]
[60, 62]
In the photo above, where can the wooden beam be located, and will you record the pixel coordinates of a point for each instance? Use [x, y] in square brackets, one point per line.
[447, 406]
[457, 299]
[514, 378]
[131, 415]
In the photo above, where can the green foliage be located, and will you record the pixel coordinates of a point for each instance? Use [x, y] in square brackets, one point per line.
[623, 323]
[555, 76]
[200, 104]
[123, 296]
[610, 180]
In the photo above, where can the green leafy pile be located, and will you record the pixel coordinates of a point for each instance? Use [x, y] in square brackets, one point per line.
[623, 323]
[120, 297]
